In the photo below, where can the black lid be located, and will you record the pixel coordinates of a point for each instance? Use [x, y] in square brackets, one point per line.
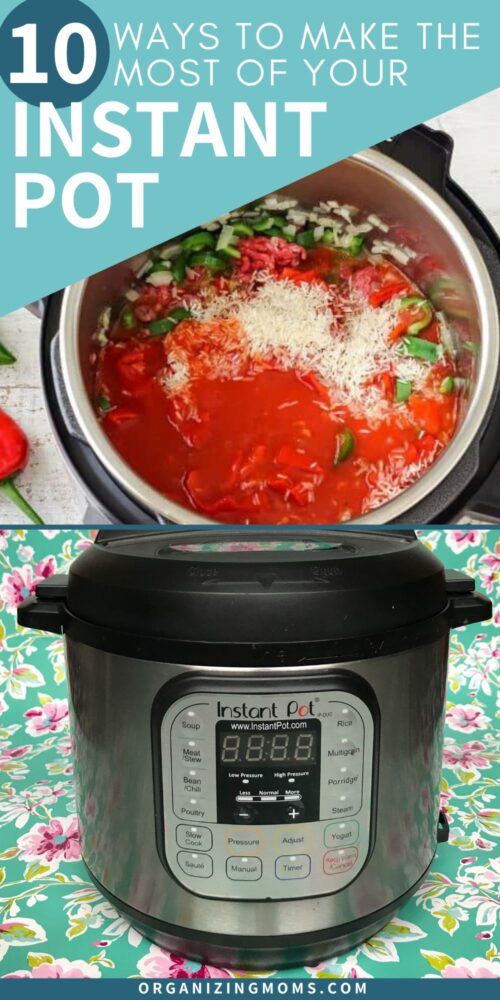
[270, 585]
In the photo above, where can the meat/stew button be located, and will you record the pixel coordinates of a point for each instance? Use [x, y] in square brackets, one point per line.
[337, 862]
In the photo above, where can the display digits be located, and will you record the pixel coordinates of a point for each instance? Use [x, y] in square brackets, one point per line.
[230, 749]
[279, 747]
[255, 749]
[304, 747]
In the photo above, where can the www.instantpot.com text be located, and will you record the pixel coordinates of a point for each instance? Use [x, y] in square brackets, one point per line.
[255, 987]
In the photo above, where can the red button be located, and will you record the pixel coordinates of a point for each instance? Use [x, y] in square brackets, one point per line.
[336, 862]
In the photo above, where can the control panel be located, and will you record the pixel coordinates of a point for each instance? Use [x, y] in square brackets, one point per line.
[267, 796]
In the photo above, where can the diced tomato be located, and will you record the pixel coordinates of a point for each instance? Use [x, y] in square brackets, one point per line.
[280, 484]
[302, 494]
[427, 413]
[297, 459]
[121, 415]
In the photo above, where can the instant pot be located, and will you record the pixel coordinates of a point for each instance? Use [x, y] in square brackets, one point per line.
[406, 179]
[257, 722]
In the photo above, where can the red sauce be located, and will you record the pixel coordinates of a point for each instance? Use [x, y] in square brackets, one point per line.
[263, 447]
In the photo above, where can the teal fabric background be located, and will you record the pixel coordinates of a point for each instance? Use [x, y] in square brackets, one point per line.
[196, 189]
[53, 923]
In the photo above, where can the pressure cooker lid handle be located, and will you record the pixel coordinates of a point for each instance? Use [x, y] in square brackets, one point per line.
[464, 605]
[46, 610]
[425, 151]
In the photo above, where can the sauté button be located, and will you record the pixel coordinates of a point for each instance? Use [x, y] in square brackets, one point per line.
[292, 838]
[244, 869]
[340, 834]
[243, 841]
[337, 862]
[195, 838]
[290, 866]
[196, 865]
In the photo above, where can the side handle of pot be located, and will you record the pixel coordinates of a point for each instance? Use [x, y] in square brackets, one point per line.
[46, 611]
[37, 308]
[464, 605]
[423, 150]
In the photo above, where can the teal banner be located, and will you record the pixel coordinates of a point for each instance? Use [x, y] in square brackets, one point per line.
[125, 124]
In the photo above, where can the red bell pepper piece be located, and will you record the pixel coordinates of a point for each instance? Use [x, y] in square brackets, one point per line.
[387, 292]
[14, 451]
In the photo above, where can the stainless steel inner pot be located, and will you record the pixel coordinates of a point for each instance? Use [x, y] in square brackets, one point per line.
[371, 181]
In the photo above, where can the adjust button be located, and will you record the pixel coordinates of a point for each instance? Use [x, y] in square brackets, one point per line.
[244, 869]
[293, 866]
[292, 838]
[196, 865]
[195, 838]
[337, 862]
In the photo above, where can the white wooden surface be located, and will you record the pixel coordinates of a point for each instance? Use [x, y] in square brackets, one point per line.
[46, 482]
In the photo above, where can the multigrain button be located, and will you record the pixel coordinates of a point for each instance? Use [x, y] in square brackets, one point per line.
[337, 862]
[244, 869]
[196, 865]
[241, 841]
[188, 723]
[293, 866]
[341, 834]
[293, 838]
[195, 838]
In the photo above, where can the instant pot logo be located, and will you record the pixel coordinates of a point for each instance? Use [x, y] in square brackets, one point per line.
[245, 711]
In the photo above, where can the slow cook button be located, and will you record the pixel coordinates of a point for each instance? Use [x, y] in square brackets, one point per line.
[241, 841]
[293, 866]
[194, 808]
[196, 865]
[195, 838]
[293, 838]
[244, 869]
[188, 723]
[337, 862]
[191, 753]
[340, 834]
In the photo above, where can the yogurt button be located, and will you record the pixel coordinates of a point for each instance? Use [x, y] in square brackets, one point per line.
[340, 834]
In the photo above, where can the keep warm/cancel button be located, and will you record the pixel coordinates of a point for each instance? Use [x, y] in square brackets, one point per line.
[337, 862]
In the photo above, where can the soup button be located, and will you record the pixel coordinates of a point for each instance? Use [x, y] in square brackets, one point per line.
[188, 724]
[337, 862]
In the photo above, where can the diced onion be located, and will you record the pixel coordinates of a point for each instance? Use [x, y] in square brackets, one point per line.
[159, 278]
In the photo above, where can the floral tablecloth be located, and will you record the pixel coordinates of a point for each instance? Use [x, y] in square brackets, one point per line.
[53, 923]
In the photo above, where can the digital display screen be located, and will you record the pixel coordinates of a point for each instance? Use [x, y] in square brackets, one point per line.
[293, 747]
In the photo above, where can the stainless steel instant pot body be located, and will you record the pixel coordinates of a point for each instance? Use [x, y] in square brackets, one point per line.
[257, 763]
[408, 182]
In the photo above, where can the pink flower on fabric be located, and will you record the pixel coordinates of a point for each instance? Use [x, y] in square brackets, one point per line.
[3, 704]
[478, 968]
[60, 968]
[468, 755]
[160, 964]
[458, 540]
[56, 841]
[23, 580]
[466, 718]
[48, 718]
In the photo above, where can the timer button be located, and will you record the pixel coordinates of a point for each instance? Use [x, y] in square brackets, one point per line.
[290, 866]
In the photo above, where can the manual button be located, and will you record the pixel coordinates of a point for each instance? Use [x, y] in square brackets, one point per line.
[196, 865]
[244, 869]
[293, 866]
